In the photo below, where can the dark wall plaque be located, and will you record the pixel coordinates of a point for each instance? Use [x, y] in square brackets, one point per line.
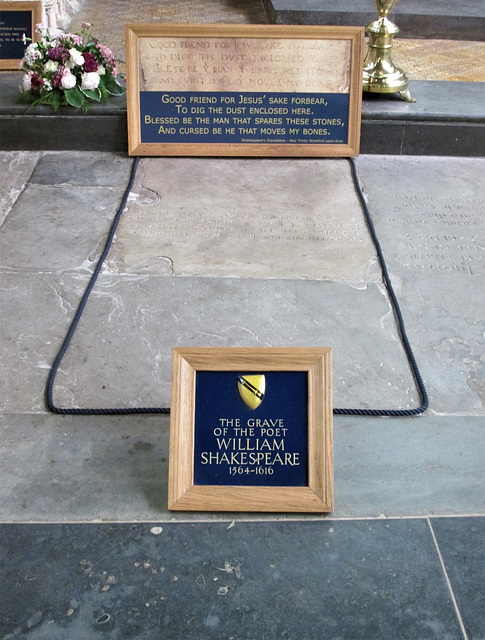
[16, 19]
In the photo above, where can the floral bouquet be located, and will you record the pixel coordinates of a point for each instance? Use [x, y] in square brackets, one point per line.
[68, 69]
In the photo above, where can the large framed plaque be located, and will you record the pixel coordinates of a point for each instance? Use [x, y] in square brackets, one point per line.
[17, 19]
[244, 90]
[251, 430]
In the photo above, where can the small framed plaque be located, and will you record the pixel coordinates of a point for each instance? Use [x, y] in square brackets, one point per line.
[251, 430]
[244, 90]
[17, 19]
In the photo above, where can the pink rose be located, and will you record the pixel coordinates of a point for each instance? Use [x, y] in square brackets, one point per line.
[68, 80]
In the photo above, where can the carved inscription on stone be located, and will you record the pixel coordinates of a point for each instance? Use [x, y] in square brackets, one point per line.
[255, 64]
[287, 219]
[441, 233]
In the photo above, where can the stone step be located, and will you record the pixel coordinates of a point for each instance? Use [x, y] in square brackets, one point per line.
[440, 19]
[447, 119]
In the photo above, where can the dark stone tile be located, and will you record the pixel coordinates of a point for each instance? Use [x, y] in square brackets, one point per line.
[440, 19]
[436, 101]
[306, 580]
[439, 139]
[462, 545]
[377, 135]
[83, 169]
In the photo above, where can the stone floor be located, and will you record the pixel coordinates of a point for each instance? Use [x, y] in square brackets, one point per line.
[403, 547]
[232, 252]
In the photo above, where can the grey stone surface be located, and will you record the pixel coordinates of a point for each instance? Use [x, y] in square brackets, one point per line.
[245, 218]
[63, 214]
[120, 355]
[114, 468]
[415, 18]
[197, 581]
[15, 170]
[86, 169]
[429, 217]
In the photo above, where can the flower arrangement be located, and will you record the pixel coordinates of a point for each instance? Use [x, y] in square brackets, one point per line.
[68, 69]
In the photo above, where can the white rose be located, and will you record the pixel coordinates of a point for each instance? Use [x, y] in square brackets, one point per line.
[90, 80]
[101, 70]
[51, 65]
[26, 82]
[76, 57]
[68, 80]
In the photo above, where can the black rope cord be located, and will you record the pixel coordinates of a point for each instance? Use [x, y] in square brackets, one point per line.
[52, 375]
[166, 410]
[400, 323]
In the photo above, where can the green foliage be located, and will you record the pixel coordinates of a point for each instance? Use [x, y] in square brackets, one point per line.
[75, 98]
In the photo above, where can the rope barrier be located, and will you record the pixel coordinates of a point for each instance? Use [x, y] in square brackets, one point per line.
[166, 410]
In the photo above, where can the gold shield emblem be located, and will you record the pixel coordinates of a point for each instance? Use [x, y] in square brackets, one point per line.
[252, 389]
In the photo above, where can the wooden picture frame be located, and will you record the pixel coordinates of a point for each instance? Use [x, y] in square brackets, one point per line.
[17, 9]
[244, 90]
[192, 408]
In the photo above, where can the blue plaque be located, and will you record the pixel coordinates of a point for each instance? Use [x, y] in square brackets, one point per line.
[238, 445]
[244, 118]
[251, 429]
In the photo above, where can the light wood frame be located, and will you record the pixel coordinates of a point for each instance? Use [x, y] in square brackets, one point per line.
[136, 32]
[36, 12]
[183, 495]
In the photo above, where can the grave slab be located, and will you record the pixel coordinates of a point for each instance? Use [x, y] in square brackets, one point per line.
[120, 355]
[244, 218]
[61, 217]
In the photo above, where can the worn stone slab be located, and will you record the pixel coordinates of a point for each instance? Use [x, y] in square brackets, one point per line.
[121, 353]
[115, 468]
[429, 215]
[51, 229]
[60, 219]
[15, 170]
[244, 218]
[83, 169]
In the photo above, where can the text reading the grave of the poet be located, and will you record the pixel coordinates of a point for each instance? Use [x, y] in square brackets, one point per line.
[13, 25]
[256, 91]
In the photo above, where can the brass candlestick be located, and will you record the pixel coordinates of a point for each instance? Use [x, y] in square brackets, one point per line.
[380, 73]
